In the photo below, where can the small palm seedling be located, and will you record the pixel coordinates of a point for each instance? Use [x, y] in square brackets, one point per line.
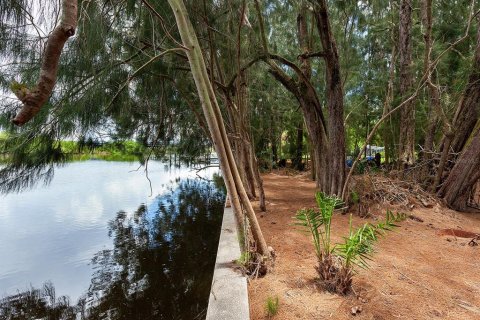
[336, 265]
[358, 247]
[271, 306]
[318, 224]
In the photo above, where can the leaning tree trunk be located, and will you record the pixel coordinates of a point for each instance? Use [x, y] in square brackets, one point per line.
[466, 116]
[243, 148]
[240, 114]
[239, 140]
[406, 150]
[464, 175]
[469, 111]
[214, 119]
[236, 103]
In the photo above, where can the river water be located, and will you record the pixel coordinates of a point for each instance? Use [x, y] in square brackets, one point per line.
[96, 234]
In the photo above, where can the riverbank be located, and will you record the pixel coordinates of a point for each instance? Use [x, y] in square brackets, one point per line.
[416, 272]
[108, 151]
[128, 150]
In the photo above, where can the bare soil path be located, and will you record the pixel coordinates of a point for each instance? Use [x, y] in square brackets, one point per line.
[418, 271]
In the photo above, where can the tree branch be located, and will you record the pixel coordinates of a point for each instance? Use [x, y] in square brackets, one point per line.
[318, 54]
[34, 98]
[134, 74]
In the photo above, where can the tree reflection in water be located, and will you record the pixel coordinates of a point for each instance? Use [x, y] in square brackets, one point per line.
[160, 267]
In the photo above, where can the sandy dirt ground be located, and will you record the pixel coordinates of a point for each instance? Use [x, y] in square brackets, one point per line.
[417, 272]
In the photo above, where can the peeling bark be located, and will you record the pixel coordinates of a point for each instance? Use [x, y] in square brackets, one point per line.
[468, 112]
[33, 99]
[466, 116]
[463, 176]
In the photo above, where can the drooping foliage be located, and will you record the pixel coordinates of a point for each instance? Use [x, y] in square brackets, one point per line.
[113, 84]
[121, 78]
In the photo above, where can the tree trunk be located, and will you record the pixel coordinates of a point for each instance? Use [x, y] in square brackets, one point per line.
[336, 131]
[434, 106]
[466, 116]
[297, 160]
[215, 123]
[406, 150]
[305, 94]
[273, 140]
[468, 112]
[239, 139]
[464, 175]
[443, 160]
[259, 183]
[313, 174]
[240, 112]
[237, 106]
[328, 146]
[387, 127]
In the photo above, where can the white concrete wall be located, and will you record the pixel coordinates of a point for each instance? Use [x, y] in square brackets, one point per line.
[228, 295]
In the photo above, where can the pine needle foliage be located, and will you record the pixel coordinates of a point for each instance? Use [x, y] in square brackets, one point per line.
[108, 87]
[104, 88]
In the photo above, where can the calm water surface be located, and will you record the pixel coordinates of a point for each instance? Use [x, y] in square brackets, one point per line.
[97, 234]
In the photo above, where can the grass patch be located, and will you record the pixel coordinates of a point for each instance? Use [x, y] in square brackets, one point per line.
[271, 306]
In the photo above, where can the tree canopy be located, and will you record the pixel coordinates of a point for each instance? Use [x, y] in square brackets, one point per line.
[300, 80]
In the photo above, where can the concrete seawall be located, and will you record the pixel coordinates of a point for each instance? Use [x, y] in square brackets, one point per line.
[229, 295]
